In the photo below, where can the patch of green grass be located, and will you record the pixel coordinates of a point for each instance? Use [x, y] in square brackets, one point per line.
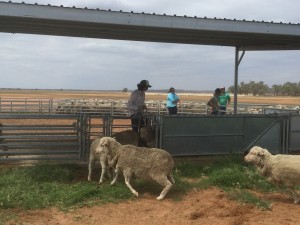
[232, 176]
[63, 185]
[42, 186]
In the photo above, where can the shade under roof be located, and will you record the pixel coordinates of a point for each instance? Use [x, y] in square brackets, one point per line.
[95, 23]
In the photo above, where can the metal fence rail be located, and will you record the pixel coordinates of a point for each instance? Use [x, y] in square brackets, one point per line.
[31, 137]
[114, 108]
[68, 137]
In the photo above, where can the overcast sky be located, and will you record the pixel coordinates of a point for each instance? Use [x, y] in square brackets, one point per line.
[50, 62]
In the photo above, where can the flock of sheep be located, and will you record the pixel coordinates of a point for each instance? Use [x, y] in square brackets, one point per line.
[121, 154]
[95, 105]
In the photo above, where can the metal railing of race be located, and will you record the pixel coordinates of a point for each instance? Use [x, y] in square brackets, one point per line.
[40, 137]
[109, 107]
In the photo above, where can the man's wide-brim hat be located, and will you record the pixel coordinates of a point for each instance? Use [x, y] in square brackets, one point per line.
[144, 83]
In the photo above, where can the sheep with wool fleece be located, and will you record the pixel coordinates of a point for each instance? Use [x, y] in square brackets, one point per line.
[146, 163]
[94, 155]
[124, 137]
[281, 170]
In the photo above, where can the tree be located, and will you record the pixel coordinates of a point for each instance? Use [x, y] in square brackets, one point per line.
[276, 89]
[231, 89]
[260, 88]
[290, 89]
[125, 90]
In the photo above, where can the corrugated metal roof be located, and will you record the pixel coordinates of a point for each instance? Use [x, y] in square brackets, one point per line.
[96, 23]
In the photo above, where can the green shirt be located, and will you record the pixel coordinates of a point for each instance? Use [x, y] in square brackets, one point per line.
[224, 99]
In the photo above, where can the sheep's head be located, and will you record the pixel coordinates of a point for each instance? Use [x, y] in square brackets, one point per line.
[105, 145]
[148, 135]
[256, 155]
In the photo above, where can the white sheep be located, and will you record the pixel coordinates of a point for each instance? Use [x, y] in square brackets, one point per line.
[281, 170]
[146, 163]
[124, 137]
[94, 155]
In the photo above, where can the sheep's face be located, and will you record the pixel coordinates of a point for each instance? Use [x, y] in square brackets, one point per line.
[255, 155]
[105, 145]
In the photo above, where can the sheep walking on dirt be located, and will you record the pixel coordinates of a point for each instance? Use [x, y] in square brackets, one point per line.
[146, 163]
[281, 170]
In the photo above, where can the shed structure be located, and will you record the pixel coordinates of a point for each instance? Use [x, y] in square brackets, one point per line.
[106, 24]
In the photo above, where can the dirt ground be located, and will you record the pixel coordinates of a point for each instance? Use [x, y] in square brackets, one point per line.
[211, 206]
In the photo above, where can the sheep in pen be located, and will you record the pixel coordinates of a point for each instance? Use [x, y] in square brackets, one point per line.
[146, 163]
[146, 134]
[281, 170]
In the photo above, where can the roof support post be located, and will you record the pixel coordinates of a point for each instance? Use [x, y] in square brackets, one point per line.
[236, 74]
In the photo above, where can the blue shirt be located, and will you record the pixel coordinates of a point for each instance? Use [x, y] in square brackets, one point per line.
[172, 100]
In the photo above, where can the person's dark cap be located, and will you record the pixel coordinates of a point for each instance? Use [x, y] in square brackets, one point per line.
[145, 83]
[218, 90]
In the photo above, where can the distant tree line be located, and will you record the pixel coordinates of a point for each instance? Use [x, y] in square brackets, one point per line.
[260, 89]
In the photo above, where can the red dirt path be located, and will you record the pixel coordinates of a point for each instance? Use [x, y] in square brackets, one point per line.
[205, 207]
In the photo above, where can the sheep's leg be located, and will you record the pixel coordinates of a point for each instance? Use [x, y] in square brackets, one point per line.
[171, 178]
[116, 176]
[295, 195]
[166, 183]
[127, 176]
[103, 170]
[91, 166]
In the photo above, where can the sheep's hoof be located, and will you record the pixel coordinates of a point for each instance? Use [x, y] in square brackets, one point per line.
[296, 201]
[136, 194]
[100, 182]
[160, 198]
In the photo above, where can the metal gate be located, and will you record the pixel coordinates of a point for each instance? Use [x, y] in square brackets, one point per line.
[37, 137]
[294, 135]
[217, 135]
[68, 137]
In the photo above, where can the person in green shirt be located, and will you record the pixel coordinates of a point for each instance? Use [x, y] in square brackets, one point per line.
[224, 101]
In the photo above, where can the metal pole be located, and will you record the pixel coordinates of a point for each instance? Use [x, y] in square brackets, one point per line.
[236, 74]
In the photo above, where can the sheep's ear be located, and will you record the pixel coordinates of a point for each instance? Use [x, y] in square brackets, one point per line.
[105, 142]
[261, 152]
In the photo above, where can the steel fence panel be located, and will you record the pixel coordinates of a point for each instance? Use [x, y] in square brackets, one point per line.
[40, 137]
[294, 134]
[210, 135]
